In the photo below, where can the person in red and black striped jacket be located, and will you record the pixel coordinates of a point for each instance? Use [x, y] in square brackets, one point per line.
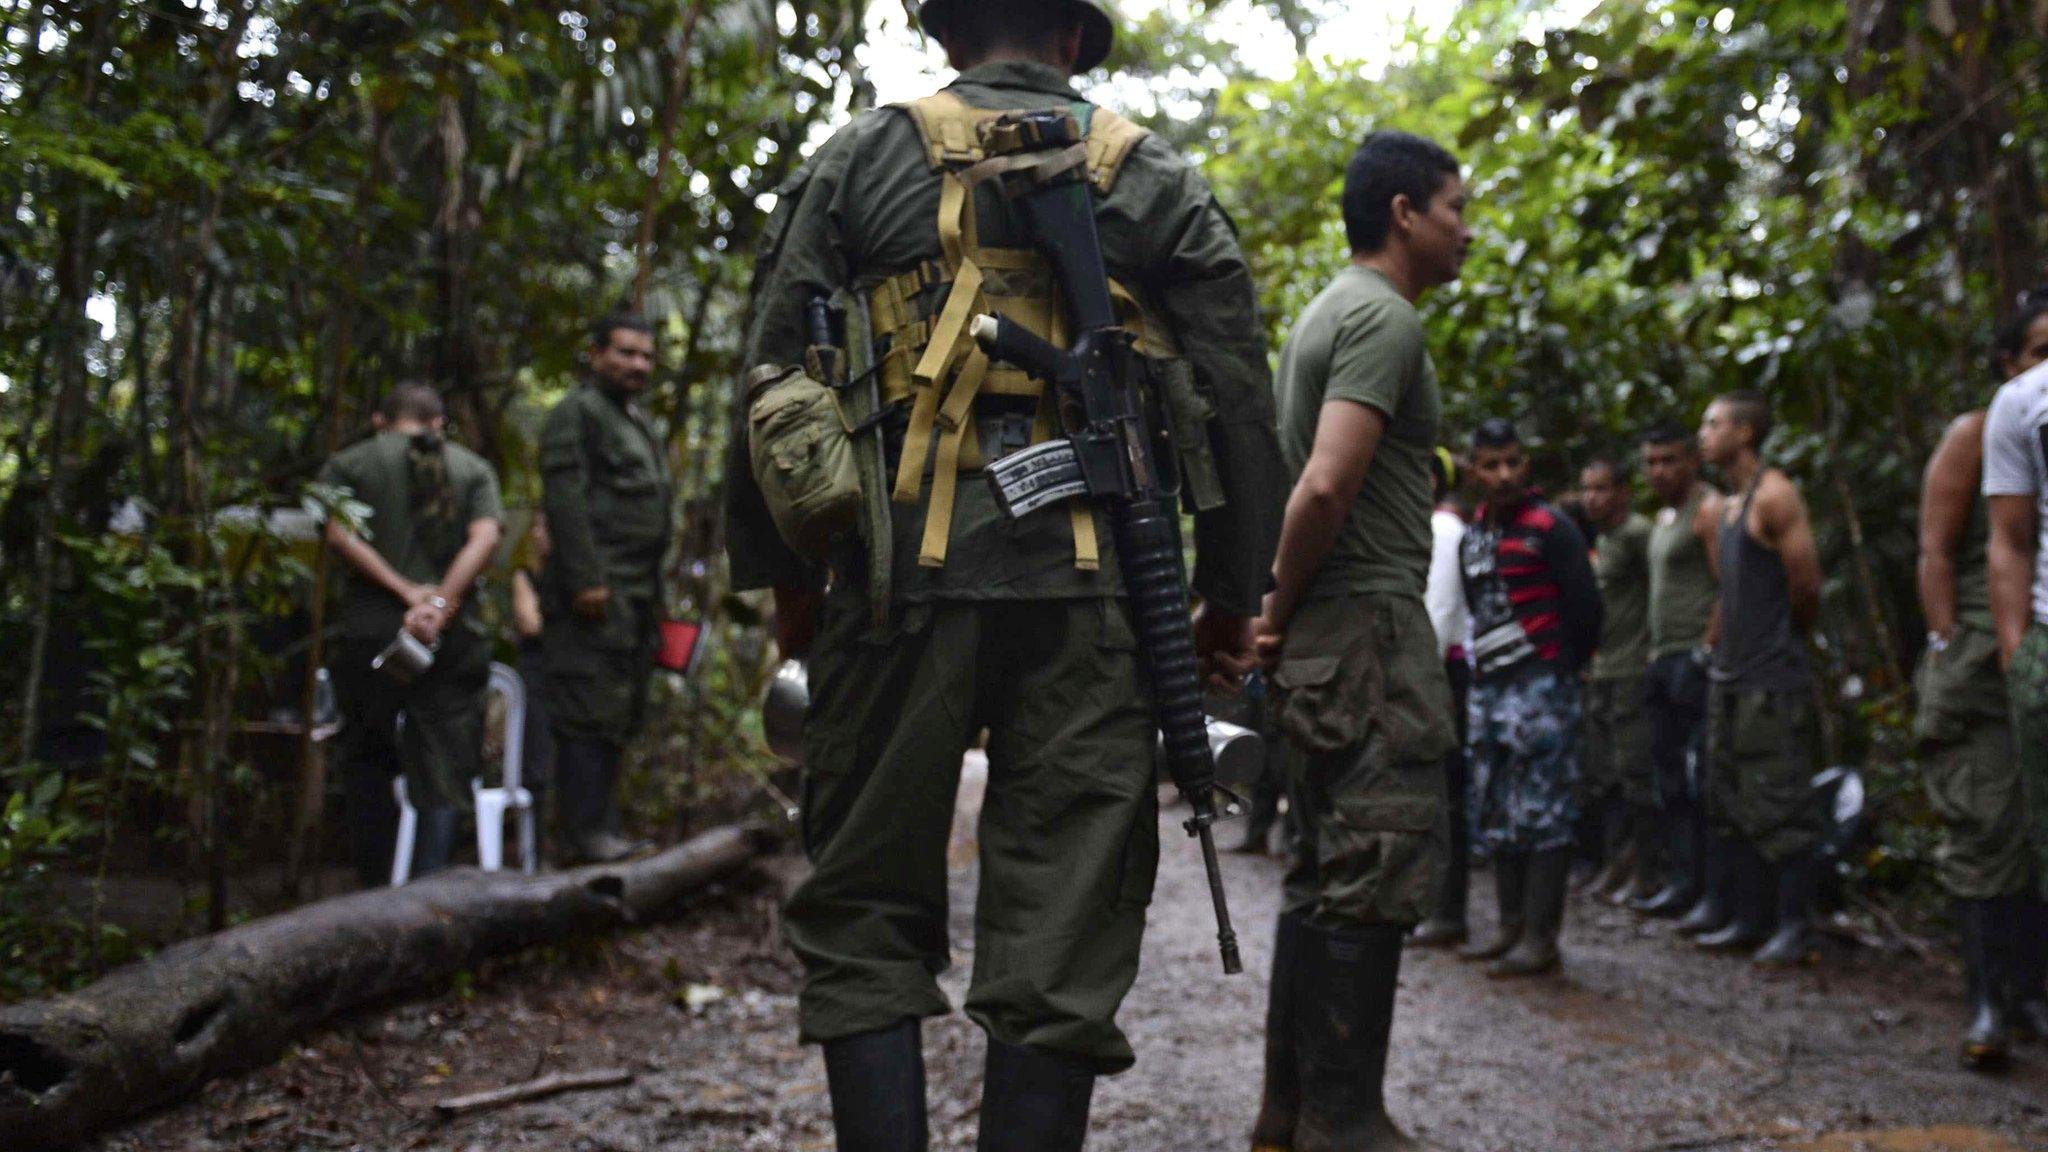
[1536, 616]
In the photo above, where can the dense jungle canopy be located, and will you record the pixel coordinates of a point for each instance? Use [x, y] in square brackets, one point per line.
[230, 225]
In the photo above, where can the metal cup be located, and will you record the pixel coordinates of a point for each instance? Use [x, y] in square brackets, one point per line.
[783, 709]
[1239, 753]
[405, 659]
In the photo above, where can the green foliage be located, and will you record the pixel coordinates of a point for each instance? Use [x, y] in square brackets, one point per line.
[228, 230]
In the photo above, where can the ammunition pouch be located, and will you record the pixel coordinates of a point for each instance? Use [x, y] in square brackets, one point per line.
[802, 454]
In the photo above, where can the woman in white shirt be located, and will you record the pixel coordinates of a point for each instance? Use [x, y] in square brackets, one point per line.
[1444, 596]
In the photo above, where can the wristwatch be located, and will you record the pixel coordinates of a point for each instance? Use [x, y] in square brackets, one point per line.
[440, 603]
[1937, 642]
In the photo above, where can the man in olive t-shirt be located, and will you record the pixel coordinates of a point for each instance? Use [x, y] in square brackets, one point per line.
[430, 519]
[1617, 790]
[1362, 692]
[1362, 341]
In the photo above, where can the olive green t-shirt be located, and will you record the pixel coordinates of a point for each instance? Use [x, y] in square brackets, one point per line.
[1621, 562]
[398, 525]
[1361, 341]
[1682, 584]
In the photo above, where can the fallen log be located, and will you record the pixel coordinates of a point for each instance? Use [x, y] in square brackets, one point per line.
[154, 1031]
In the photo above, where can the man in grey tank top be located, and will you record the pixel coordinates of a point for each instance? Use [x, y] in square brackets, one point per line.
[1682, 595]
[1760, 713]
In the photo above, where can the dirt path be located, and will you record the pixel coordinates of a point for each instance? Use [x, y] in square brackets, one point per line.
[1640, 1045]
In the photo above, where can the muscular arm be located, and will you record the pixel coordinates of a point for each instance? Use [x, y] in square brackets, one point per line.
[1946, 493]
[526, 617]
[1347, 437]
[1564, 550]
[565, 495]
[357, 553]
[1783, 524]
[2011, 559]
[470, 562]
[1706, 528]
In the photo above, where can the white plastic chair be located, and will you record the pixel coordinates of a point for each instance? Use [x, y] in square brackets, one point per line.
[491, 803]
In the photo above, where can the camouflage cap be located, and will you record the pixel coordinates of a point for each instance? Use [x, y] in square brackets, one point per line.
[1098, 23]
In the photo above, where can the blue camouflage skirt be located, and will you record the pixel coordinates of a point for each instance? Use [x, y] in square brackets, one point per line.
[1525, 760]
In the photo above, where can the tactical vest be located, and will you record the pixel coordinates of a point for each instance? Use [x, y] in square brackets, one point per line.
[925, 357]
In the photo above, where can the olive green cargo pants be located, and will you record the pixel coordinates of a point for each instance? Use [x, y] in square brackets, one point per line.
[1972, 776]
[1759, 778]
[2027, 682]
[1616, 743]
[1069, 824]
[598, 669]
[1366, 706]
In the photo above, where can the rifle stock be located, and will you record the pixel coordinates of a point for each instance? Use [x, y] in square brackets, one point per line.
[1094, 383]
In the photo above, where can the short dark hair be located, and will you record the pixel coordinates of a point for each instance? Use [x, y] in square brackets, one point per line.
[1496, 432]
[610, 322]
[412, 401]
[1614, 464]
[2012, 332]
[1668, 431]
[1389, 164]
[1748, 406]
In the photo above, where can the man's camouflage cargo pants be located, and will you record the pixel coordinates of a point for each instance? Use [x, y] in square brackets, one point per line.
[1365, 703]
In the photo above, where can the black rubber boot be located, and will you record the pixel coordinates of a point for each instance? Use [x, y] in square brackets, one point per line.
[1543, 918]
[433, 842]
[1449, 927]
[1794, 943]
[372, 816]
[1617, 850]
[587, 773]
[1344, 1017]
[1281, 1098]
[1647, 876]
[1510, 878]
[2027, 934]
[1987, 1041]
[1685, 849]
[877, 1085]
[1750, 901]
[1034, 1100]
[1716, 904]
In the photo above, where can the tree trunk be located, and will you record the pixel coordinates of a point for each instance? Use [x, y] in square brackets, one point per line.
[671, 114]
[148, 1034]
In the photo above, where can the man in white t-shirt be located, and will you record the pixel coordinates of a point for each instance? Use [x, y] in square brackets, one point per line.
[2016, 499]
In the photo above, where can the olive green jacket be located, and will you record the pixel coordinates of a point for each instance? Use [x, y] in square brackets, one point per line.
[606, 489]
[865, 208]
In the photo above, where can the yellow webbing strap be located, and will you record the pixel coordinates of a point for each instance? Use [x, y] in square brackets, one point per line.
[950, 129]
[957, 419]
[1110, 140]
[956, 237]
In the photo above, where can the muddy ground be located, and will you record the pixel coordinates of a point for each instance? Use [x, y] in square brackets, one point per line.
[1640, 1044]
